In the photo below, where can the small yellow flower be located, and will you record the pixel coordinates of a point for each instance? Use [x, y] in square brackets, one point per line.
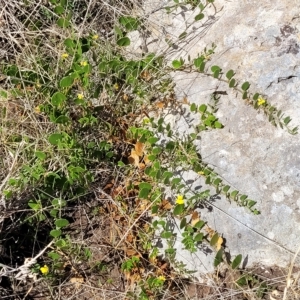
[116, 86]
[146, 120]
[161, 278]
[37, 109]
[44, 269]
[261, 101]
[179, 199]
[65, 55]
[201, 173]
[80, 96]
[83, 63]
[95, 37]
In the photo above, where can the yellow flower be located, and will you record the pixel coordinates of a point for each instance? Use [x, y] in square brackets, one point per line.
[179, 199]
[261, 101]
[116, 86]
[65, 55]
[161, 278]
[44, 269]
[80, 96]
[201, 173]
[83, 63]
[95, 36]
[146, 120]
[37, 109]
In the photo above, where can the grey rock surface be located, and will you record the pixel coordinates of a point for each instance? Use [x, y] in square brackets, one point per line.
[260, 41]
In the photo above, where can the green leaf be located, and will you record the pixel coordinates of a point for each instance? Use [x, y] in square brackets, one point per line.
[226, 188]
[215, 68]
[66, 81]
[118, 31]
[287, 120]
[179, 208]
[218, 124]
[232, 83]
[129, 23]
[53, 255]
[229, 74]
[245, 86]
[62, 120]
[61, 243]
[216, 74]
[193, 107]
[58, 98]
[218, 258]
[63, 23]
[199, 224]
[69, 43]
[243, 197]
[40, 155]
[34, 205]
[123, 42]
[199, 237]
[55, 138]
[255, 97]
[145, 185]
[202, 66]
[176, 64]
[183, 223]
[59, 9]
[55, 233]
[182, 35]
[143, 194]
[198, 61]
[236, 262]
[3, 94]
[166, 234]
[234, 194]
[250, 203]
[202, 108]
[245, 95]
[61, 223]
[214, 239]
[199, 17]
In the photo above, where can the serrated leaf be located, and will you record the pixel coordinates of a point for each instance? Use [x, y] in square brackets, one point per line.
[61, 223]
[237, 261]
[229, 74]
[245, 86]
